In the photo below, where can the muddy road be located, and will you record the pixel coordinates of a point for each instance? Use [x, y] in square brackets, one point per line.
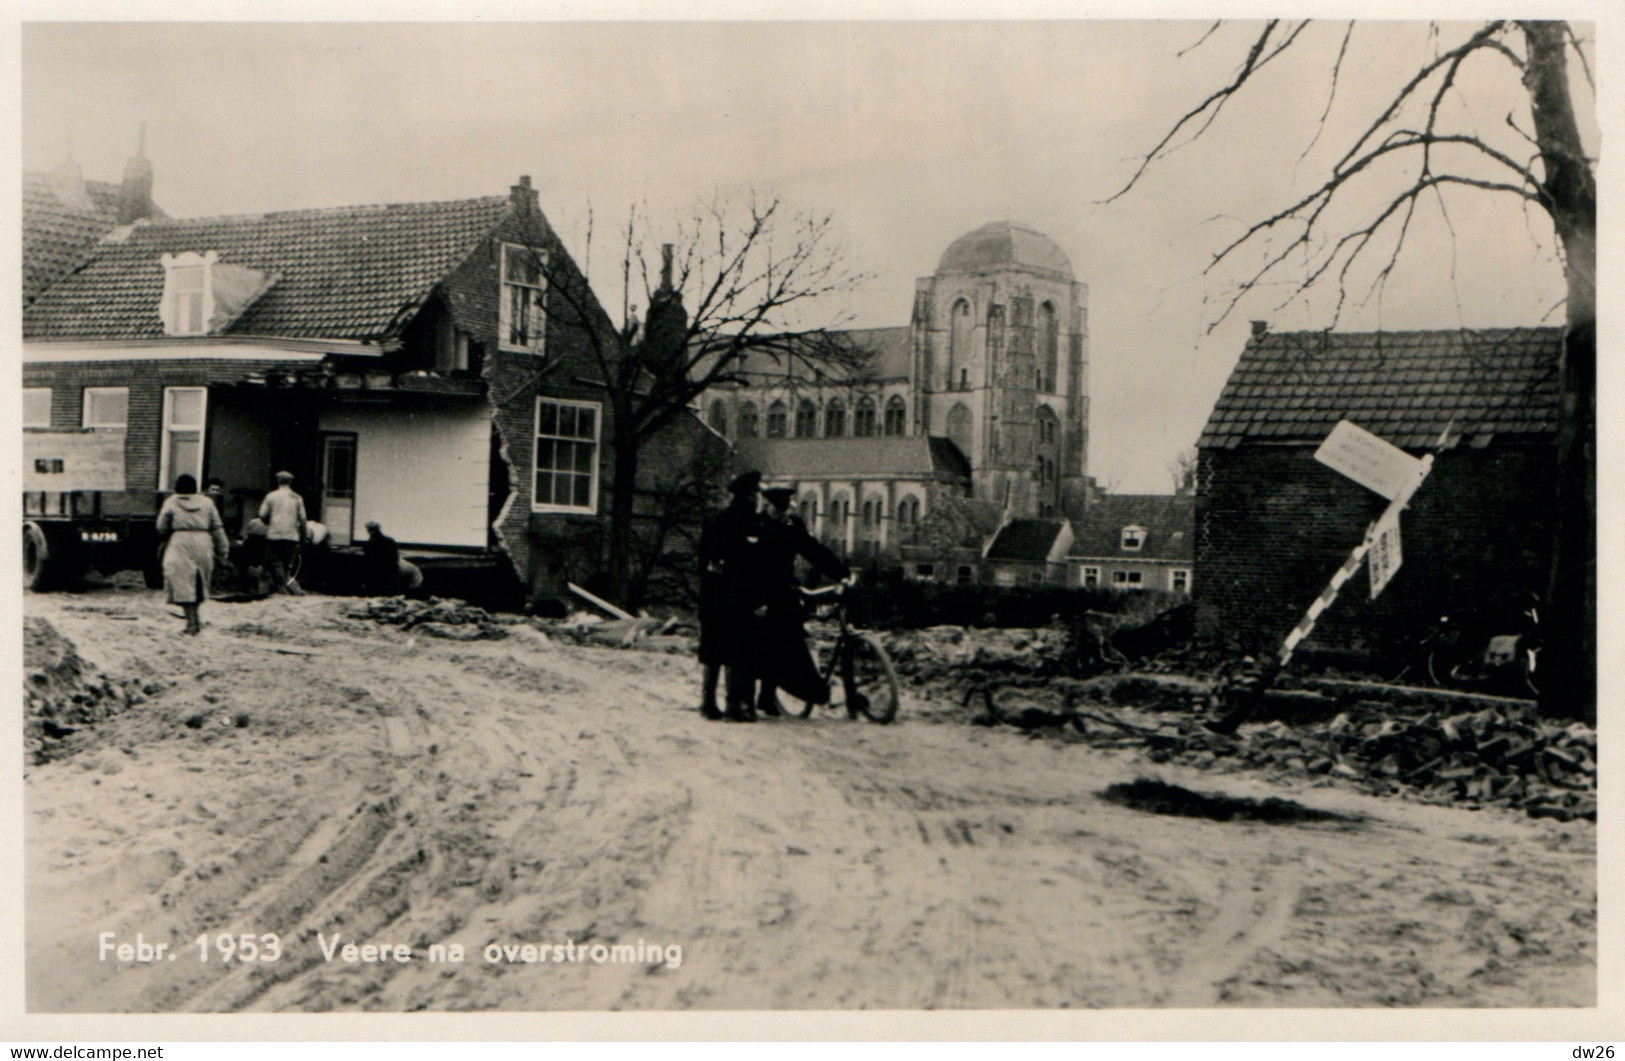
[302, 774]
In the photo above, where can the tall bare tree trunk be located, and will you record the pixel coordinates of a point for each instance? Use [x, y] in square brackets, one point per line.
[623, 495]
[1568, 680]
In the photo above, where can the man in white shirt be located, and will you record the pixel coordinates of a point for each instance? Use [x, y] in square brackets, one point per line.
[283, 511]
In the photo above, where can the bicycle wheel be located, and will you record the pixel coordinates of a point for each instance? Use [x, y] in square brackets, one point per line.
[869, 680]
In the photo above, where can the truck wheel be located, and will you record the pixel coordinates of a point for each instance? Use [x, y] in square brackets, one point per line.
[36, 558]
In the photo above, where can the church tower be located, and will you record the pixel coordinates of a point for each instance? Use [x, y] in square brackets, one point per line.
[1000, 344]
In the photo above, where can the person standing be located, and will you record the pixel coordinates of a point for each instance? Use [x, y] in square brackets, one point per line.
[724, 621]
[784, 660]
[194, 541]
[283, 511]
[380, 563]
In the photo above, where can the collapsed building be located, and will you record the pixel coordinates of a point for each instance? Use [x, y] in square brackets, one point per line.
[435, 367]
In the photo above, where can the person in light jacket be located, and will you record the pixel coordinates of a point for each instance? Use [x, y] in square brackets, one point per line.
[194, 541]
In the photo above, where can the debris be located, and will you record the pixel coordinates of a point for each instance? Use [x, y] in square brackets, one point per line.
[599, 602]
[448, 619]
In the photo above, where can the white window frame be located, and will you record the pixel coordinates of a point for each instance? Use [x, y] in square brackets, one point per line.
[1175, 574]
[597, 453]
[538, 341]
[108, 425]
[1090, 578]
[1133, 539]
[35, 393]
[167, 474]
[1128, 580]
[171, 310]
[925, 572]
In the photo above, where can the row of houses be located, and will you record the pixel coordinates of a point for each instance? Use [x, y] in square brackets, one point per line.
[427, 366]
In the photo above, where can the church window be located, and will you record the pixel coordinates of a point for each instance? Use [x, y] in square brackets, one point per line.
[835, 418]
[806, 419]
[962, 327]
[1049, 347]
[964, 379]
[863, 418]
[896, 416]
[778, 416]
[959, 427]
[747, 420]
[719, 416]
[809, 508]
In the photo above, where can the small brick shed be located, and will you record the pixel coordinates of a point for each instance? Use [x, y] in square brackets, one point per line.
[1273, 523]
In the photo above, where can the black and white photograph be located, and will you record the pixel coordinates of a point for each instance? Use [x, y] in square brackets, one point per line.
[830, 515]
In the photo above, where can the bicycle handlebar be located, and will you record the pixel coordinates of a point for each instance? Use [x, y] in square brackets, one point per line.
[834, 589]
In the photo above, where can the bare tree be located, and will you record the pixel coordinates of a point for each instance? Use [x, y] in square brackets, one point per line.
[1412, 150]
[737, 288]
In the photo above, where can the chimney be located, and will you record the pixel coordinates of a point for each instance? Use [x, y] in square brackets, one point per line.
[68, 183]
[523, 198]
[1259, 328]
[665, 268]
[135, 192]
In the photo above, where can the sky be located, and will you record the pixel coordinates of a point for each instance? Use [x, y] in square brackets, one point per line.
[910, 133]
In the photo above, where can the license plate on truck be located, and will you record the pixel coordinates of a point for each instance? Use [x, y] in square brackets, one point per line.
[98, 535]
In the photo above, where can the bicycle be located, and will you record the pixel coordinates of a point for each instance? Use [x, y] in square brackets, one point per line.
[1452, 657]
[855, 666]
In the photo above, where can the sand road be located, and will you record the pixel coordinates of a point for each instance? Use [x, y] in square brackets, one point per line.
[313, 777]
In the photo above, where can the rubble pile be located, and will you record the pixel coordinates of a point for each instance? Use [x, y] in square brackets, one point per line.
[957, 655]
[1502, 755]
[63, 695]
[450, 619]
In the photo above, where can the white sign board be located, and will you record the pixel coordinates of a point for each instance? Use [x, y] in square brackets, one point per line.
[1370, 461]
[73, 460]
[1385, 555]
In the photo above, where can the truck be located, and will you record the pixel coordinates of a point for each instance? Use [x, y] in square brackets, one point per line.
[71, 522]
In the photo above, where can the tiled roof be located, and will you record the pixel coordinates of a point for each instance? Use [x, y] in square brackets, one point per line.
[1404, 386]
[1025, 540]
[58, 233]
[1169, 522]
[877, 457]
[342, 273]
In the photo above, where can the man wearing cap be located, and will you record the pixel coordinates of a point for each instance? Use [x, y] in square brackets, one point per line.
[725, 619]
[782, 638]
[284, 514]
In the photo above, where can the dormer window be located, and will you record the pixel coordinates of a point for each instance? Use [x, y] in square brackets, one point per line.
[524, 287]
[188, 302]
[1133, 538]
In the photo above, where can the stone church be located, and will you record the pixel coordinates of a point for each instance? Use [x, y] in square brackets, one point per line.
[974, 414]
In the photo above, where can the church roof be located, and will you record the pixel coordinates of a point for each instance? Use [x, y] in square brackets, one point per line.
[1005, 245]
[886, 456]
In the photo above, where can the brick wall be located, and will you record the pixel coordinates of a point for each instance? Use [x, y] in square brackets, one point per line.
[146, 381]
[1273, 523]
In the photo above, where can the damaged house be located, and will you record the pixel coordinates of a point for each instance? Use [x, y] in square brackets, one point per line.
[424, 365]
[1273, 523]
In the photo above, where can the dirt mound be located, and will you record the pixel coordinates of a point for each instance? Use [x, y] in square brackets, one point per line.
[1159, 797]
[64, 695]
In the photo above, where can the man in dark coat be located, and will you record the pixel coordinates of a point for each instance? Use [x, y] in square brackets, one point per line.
[782, 638]
[380, 563]
[724, 617]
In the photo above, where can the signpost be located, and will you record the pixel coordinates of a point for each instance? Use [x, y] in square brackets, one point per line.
[1379, 466]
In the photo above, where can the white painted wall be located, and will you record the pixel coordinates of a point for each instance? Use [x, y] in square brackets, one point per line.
[423, 474]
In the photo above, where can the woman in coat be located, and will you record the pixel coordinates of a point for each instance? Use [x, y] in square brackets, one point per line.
[194, 541]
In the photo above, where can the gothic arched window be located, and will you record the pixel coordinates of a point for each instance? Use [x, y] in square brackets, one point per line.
[896, 416]
[1049, 347]
[747, 420]
[778, 417]
[863, 418]
[961, 332]
[719, 416]
[806, 419]
[959, 427]
[834, 418]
